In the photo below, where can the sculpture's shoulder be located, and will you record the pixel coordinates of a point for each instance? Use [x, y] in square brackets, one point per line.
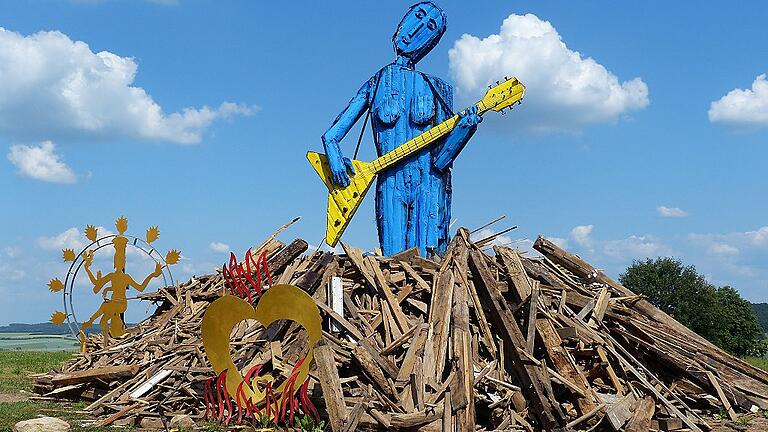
[442, 87]
[440, 84]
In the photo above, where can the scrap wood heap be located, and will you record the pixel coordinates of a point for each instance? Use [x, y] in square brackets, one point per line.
[474, 341]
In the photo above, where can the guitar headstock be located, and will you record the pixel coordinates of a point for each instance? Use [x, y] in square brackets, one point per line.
[504, 94]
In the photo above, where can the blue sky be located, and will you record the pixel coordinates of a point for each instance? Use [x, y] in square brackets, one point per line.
[643, 132]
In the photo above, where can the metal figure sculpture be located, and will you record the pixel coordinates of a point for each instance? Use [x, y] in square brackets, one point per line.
[417, 138]
[116, 282]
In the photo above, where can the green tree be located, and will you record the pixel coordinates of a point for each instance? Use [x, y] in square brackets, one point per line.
[718, 314]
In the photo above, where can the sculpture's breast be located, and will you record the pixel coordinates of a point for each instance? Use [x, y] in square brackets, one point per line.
[403, 108]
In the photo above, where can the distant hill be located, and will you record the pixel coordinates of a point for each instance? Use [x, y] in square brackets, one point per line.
[42, 328]
[761, 310]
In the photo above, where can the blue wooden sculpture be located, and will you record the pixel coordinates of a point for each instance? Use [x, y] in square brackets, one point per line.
[413, 196]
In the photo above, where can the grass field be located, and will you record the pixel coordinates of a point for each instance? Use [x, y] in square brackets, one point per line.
[758, 362]
[15, 366]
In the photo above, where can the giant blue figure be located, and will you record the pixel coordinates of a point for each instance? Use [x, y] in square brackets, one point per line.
[413, 198]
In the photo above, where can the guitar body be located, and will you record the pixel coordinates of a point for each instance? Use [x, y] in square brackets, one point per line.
[342, 202]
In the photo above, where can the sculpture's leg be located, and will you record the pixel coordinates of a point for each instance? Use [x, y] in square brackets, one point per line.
[104, 324]
[421, 220]
[391, 216]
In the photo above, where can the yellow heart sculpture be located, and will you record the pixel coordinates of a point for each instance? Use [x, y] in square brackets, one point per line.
[281, 302]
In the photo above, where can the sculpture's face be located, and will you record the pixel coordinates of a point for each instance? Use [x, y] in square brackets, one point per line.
[419, 31]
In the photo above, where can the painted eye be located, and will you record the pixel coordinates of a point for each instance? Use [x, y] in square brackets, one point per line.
[420, 14]
[431, 25]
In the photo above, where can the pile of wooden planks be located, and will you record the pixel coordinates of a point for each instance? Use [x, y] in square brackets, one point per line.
[472, 341]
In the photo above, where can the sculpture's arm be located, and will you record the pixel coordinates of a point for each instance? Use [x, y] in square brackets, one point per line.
[339, 129]
[106, 291]
[141, 287]
[96, 280]
[457, 138]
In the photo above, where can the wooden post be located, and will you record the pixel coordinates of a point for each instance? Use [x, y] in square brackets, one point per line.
[331, 385]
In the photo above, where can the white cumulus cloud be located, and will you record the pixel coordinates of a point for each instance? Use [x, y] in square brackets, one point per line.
[671, 212]
[56, 88]
[743, 108]
[41, 163]
[581, 235]
[69, 239]
[621, 250]
[219, 247]
[634, 247]
[564, 90]
[722, 249]
[757, 239]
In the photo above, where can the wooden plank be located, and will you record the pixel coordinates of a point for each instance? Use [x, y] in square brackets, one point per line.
[671, 407]
[564, 363]
[372, 369]
[346, 325]
[374, 352]
[533, 308]
[462, 390]
[147, 386]
[107, 374]
[447, 413]
[515, 271]
[618, 413]
[528, 375]
[417, 385]
[641, 418]
[670, 424]
[330, 383]
[394, 305]
[440, 317]
[353, 420]
[336, 299]
[416, 276]
[602, 304]
[415, 350]
[721, 396]
[118, 415]
[611, 373]
[417, 418]
[406, 255]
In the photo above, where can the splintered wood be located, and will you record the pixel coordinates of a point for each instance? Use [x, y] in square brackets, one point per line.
[470, 342]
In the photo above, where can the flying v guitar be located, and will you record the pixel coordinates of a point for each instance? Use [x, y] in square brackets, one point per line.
[343, 202]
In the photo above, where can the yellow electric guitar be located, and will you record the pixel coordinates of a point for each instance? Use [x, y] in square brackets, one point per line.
[343, 202]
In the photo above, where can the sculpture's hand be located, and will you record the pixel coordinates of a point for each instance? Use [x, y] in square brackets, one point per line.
[88, 258]
[341, 171]
[158, 270]
[469, 118]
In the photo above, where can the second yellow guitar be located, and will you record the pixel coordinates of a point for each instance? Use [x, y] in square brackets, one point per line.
[343, 202]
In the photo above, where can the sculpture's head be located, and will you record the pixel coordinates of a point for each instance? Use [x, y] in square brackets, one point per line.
[119, 243]
[419, 31]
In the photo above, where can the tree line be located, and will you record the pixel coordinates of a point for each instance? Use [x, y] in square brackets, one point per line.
[719, 314]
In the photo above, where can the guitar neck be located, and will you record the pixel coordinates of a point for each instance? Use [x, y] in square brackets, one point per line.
[420, 142]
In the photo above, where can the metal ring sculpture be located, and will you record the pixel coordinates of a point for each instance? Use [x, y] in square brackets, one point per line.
[74, 268]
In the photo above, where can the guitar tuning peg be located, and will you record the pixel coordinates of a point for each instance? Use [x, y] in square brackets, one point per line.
[490, 86]
[497, 83]
[505, 78]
